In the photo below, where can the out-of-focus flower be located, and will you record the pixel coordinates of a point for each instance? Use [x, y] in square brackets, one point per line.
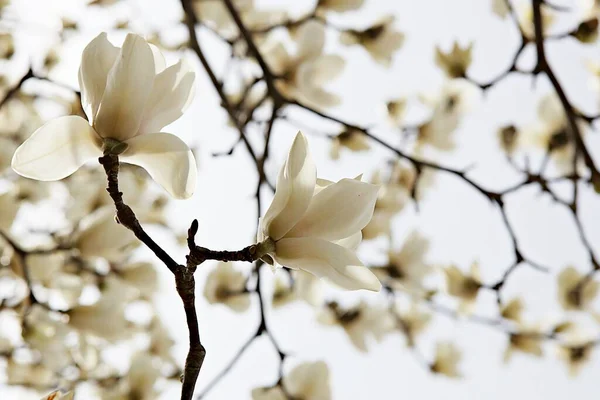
[576, 352]
[7, 46]
[526, 340]
[500, 8]
[351, 139]
[575, 292]
[406, 268]
[216, 13]
[455, 62]
[512, 310]
[449, 106]
[464, 286]
[314, 227]
[141, 276]
[395, 110]
[339, 5]
[587, 31]
[447, 357]
[128, 96]
[381, 40]
[58, 395]
[101, 236]
[94, 319]
[34, 375]
[307, 381]
[9, 206]
[227, 286]
[413, 321]
[359, 321]
[139, 383]
[303, 75]
[508, 136]
[525, 17]
[300, 286]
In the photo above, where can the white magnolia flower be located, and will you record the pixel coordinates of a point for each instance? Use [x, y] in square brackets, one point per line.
[46, 333]
[316, 226]
[381, 40]
[227, 286]
[359, 321]
[304, 74]
[307, 381]
[447, 358]
[29, 375]
[129, 96]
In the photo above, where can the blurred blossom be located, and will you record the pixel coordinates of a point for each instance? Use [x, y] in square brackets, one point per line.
[575, 291]
[226, 285]
[303, 75]
[576, 352]
[339, 5]
[501, 8]
[513, 310]
[307, 381]
[455, 62]
[315, 225]
[352, 140]
[7, 45]
[413, 321]
[463, 286]
[528, 340]
[300, 285]
[381, 40]
[359, 321]
[447, 357]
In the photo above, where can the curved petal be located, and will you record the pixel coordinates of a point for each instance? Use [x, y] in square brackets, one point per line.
[325, 68]
[168, 160]
[97, 59]
[295, 187]
[171, 94]
[128, 86]
[351, 242]
[57, 149]
[159, 60]
[338, 211]
[311, 39]
[326, 260]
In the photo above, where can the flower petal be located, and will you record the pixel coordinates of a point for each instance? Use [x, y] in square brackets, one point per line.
[167, 159]
[128, 86]
[351, 242]
[159, 60]
[326, 260]
[295, 187]
[338, 211]
[97, 59]
[311, 40]
[57, 149]
[171, 94]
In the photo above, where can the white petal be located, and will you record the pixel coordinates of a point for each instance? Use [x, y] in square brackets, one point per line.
[325, 68]
[326, 260]
[338, 211]
[167, 159]
[57, 149]
[311, 40]
[97, 59]
[295, 187]
[128, 86]
[159, 60]
[171, 94]
[351, 242]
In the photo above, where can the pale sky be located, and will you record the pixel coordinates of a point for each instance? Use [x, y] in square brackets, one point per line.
[461, 224]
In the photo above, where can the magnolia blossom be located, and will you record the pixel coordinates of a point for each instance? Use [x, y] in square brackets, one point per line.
[304, 74]
[227, 286]
[512, 310]
[500, 8]
[339, 5]
[29, 374]
[509, 138]
[129, 96]
[448, 108]
[576, 352]
[307, 381]
[300, 286]
[447, 357]
[527, 340]
[351, 139]
[574, 291]
[316, 225]
[380, 40]
[396, 109]
[407, 267]
[464, 286]
[525, 17]
[359, 322]
[455, 62]
[413, 321]
[7, 45]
